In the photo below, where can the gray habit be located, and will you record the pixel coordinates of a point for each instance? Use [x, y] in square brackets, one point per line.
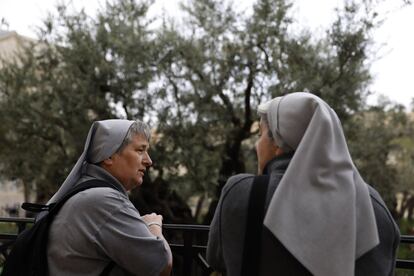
[100, 225]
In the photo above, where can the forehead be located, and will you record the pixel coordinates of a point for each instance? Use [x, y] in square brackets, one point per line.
[139, 140]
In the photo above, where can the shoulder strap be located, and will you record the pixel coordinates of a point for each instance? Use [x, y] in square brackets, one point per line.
[94, 183]
[254, 226]
[30, 246]
[34, 207]
[107, 269]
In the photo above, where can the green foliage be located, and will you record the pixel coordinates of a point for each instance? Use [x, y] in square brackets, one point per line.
[198, 84]
[403, 150]
[380, 140]
[404, 272]
[8, 228]
[79, 72]
[405, 251]
[370, 145]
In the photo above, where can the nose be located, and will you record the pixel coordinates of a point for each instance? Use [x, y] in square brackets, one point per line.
[147, 160]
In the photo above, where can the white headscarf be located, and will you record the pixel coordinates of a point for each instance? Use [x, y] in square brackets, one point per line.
[103, 140]
[321, 211]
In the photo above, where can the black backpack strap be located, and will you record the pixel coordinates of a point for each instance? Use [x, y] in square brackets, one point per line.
[94, 183]
[34, 207]
[107, 269]
[254, 226]
[30, 247]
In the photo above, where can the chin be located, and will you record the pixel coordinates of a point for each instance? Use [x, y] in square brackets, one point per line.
[133, 185]
[139, 182]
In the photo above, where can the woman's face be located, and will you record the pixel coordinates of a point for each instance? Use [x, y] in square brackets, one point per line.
[130, 165]
[265, 147]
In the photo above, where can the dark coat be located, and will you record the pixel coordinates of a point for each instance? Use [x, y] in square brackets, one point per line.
[226, 238]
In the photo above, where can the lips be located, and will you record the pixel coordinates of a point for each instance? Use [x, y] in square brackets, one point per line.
[142, 172]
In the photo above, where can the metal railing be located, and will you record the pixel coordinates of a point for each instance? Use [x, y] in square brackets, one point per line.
[406, 264]
[187, 242]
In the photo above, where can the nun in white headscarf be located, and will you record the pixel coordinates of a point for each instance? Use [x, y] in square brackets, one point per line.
[321, 211]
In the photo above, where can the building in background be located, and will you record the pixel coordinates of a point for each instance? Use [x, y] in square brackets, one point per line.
[12, 43]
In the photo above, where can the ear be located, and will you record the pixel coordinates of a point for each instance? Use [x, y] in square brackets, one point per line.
[279, 151]
[108, 161]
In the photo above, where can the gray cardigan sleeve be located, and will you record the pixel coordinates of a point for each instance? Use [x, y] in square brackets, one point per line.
[125, 238]
[215, 244]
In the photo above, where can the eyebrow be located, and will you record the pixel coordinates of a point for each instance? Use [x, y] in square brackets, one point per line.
[143, 145]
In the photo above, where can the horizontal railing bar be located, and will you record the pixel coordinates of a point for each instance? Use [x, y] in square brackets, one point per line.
[8, 236]
[17, 220]
[407, 239]
[178, 245]
[5, 237]
[404, 264]
[166, 225]
[189, 227]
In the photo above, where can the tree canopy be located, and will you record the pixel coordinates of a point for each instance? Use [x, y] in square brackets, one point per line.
[197, 84]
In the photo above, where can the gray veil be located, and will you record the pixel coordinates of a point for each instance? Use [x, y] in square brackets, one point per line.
[321, 210]
[103, 140]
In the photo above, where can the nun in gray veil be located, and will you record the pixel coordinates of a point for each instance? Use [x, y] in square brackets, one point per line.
[321, 210]
[90, 233]
[104, 139]
[318, 206]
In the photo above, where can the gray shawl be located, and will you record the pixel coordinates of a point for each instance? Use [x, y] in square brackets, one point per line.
[321, 210]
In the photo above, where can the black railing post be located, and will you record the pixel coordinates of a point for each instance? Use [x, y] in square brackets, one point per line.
[21, 226]
[188, 252]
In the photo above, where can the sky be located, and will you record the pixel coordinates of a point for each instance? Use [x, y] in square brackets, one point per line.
[393, 71]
